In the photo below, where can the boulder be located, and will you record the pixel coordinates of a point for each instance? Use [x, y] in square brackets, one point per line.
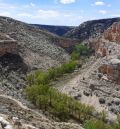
[102, 100]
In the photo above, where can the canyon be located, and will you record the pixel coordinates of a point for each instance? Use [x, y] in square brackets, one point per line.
[25, 48]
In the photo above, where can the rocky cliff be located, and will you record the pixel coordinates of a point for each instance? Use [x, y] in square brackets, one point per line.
[113, 33]
[90, 29]
[111, 67]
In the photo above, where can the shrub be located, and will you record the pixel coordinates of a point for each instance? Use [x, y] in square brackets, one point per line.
[75, 55]
[95, 124]
[80, 50]
[100, 124]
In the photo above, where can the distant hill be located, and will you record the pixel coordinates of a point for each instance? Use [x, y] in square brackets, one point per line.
[58, 30]
[89, 29]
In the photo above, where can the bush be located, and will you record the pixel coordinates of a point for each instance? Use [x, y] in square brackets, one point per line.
[80, 50]
[100, 124]
[75, 55]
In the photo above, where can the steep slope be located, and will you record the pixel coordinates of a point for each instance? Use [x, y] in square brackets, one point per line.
[90, 29]
[37, 47]
[58, 30]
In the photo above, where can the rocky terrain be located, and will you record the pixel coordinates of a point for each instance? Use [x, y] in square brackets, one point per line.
[58, 30]
[29, 48]
[24, 48]
[90, 29]
[36, 47]
[98, 82]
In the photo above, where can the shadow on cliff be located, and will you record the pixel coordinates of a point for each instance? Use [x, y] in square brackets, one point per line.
[13, 62]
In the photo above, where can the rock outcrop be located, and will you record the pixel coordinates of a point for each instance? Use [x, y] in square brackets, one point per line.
[67, 44]
[7, 45]
[111, 70]
[113, 33]
[110, 41]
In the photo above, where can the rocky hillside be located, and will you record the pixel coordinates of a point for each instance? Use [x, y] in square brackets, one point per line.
[24, 48]
[98, 83]
[58, 30]
[37, 47]
[91, 29]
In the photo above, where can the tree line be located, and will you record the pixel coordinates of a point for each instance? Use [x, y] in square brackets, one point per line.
[49, 99]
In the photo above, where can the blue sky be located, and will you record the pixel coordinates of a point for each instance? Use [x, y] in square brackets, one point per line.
[59, 12]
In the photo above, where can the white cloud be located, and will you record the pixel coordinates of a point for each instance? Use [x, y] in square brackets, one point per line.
[32, 13]
[40, 15]
[47, 14]
[67, 1]
[103, 12]
[99, 3]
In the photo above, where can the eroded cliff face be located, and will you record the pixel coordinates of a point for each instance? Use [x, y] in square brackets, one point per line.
[112, 70]
[110, 42]
[7, 45]
[113, 33]
[67, 44]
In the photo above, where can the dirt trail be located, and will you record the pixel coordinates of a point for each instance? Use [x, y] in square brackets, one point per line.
[77, 85]
[75, 81]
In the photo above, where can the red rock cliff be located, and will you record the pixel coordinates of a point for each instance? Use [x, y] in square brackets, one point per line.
[113, 33]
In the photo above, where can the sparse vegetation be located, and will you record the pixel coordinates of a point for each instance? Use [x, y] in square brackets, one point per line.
[80, 50]
[101, 124]
[44, 77]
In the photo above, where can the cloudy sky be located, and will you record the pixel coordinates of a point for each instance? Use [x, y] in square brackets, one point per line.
[59, 12]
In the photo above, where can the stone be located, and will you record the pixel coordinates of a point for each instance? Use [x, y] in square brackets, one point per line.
[86, 93]
[102, 100]
[117, 101]
[78, 96]
[92, 87]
